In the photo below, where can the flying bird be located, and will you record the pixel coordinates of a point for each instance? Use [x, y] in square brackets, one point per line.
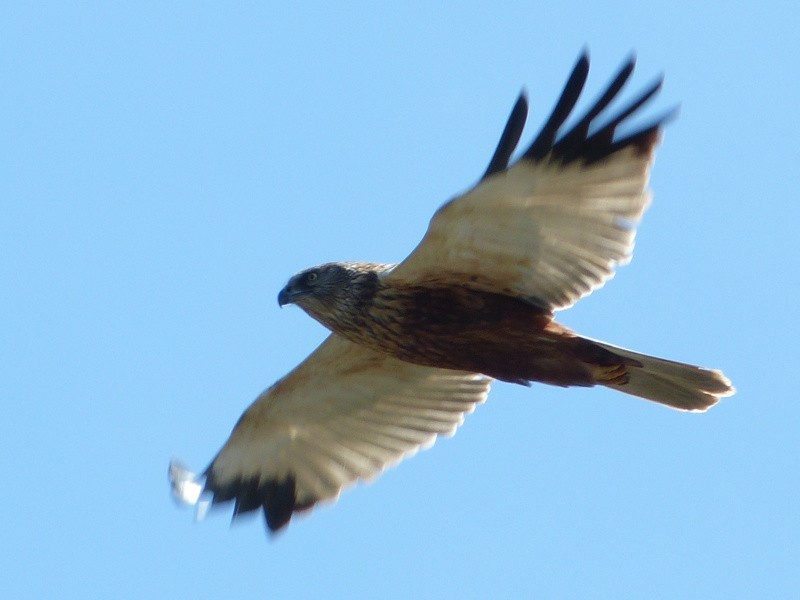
[415, 346]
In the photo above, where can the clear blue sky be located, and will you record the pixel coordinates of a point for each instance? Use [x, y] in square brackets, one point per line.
[167, 166]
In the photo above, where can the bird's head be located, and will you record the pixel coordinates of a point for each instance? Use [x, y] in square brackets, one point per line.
[330, 291]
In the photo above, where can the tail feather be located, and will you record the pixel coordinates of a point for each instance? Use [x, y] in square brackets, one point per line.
[674, 384]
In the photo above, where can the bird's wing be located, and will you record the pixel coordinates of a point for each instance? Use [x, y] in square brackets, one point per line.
[344, 414]
[553, 226]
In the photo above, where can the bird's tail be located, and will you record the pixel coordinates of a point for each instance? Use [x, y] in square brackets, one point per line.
[674, 384]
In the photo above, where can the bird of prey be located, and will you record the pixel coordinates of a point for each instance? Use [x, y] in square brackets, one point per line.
[415, 346]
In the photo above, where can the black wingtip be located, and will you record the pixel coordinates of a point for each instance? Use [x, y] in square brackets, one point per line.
[279, 503]
[278, 499]
[583, 56]
[578, 143]
[569, 97]
[510, 136]
[630, 60]
[648, 135]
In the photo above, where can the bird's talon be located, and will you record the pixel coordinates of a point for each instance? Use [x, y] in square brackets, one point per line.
[614, 375]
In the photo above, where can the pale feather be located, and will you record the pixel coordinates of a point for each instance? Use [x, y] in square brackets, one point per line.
[344, 414]
[543, 231]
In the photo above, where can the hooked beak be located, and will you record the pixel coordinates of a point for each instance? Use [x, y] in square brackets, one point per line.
[287, 295]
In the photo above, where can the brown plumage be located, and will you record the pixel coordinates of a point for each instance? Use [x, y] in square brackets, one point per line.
[440, 324]
[414, 345]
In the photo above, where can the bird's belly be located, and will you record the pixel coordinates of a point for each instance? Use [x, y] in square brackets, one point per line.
[509, 351]
[454, 328]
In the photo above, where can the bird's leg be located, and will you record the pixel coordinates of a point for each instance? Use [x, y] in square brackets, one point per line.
[611, 375]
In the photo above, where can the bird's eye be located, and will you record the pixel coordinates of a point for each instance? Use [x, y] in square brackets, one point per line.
[311, 277]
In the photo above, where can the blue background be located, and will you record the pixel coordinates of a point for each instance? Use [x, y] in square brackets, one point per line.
[165, 167]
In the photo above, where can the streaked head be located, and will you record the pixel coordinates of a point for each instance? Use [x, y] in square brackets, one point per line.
[322, 284]
[334, 293]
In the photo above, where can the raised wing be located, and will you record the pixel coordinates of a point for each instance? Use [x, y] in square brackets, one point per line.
[554, 225]
[344, 414]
